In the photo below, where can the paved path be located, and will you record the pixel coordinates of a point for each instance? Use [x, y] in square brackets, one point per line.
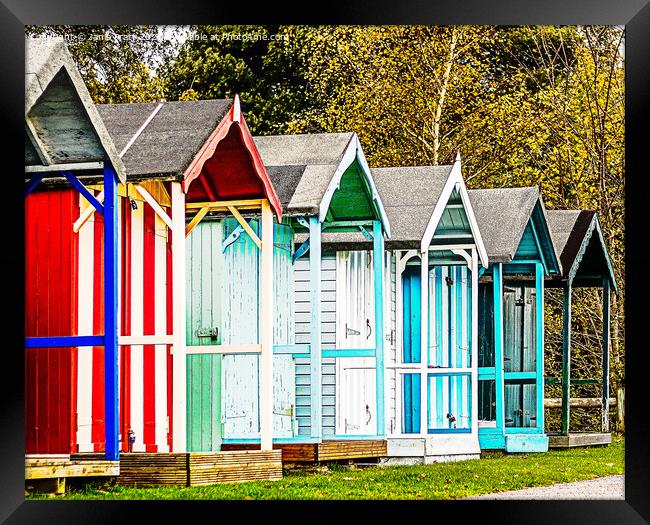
[609, 487]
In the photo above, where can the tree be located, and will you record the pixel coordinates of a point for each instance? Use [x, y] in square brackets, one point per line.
[263, 64]
[116, 62]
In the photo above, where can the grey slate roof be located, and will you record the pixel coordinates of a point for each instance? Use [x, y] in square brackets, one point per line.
[302, 166]
[502, 215]
[409, 195]
[168, 144]
[568, 230]
[67, 125]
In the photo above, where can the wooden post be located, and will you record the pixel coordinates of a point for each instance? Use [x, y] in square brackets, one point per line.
[539, 318]
[474, 339]
[605, 389]
[424, 342]
[378, 261]
[315, 358]
[266, 329]
[620, 409]
[497, 272]
[566, 360]
[111, 387]
[179, 364]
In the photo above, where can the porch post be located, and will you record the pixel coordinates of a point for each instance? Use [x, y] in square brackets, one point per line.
[424, 341]
[566, 359]
[474, 340]
[378, 262]
[266, 325]
[605, 391]
[315, 359]
[497, 272]
[110, 315]
[539, 329]
[179, 364]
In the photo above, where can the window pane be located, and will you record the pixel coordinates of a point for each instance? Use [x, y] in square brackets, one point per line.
[411, 404]
[487, 400]
[449, 398]
[520, 404]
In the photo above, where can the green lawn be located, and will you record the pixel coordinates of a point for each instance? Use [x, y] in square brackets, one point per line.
[438, 481]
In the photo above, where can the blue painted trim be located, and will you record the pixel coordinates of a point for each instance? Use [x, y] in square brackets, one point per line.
[522, 430]
[316, 361]
[111, 383]
[33, 181]
[513, 376]
[449, 431]
[491, 441]
[350, 352]
[497, 271]
[232, 237]
[378, 263]
[526, 443]
[366, 233]
[487, 372]
[539, 319]
[64, 341]
[539, 246]
[291, 349]
[72, 179]
[438, 288]
[300, 251]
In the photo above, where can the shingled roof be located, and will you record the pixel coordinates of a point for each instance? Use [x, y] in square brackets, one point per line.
[62, 125]
[169, 142]
[409, 195]
[502, 215]
[579, 241]
[302, 166]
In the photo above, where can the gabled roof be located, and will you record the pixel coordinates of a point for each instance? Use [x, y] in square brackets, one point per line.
[578, 238]
[410, 195]
[62, 125]
[308, 169]
[207, 141]
[168, 143]
[503, 215]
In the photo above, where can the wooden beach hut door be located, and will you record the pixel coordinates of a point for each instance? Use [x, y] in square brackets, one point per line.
[355, 328]
[241, 373]
[519, 327]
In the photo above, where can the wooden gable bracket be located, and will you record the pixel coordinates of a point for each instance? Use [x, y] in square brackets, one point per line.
[366, 233]
[246, 226]
[300, 251]
[196, 219]
[156, 207]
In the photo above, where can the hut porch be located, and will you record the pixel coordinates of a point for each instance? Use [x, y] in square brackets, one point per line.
[49, 472]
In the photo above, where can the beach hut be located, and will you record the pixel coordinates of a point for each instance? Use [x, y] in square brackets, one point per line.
[67, 149]
[325, 185]
[514, 225]
[205, 151]
[431, 368]
[579, 240]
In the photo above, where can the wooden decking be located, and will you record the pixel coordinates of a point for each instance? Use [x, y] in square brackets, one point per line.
[328, 450]
[579, 439]
[48, 472]
[199, 468]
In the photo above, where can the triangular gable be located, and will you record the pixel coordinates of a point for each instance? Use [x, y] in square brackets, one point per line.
[536, 242]
[61, 121]
[351, 191]
[228, 166]
[454, 193]
[592, 256]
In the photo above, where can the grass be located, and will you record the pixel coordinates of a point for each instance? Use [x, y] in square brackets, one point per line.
[438, 481]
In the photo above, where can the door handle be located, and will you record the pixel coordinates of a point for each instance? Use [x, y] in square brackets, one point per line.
[369, 414]
[369, 328]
